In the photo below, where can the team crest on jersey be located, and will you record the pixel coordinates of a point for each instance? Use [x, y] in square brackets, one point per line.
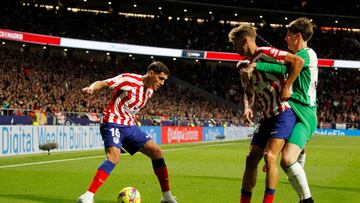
[116, 140]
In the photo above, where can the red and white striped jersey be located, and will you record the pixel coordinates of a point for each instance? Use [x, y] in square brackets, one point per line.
[267, 86]
[128, 98]
[269, 54]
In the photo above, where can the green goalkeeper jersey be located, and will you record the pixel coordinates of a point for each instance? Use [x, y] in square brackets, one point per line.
[304, 87]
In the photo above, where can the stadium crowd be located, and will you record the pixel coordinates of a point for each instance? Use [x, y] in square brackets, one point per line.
[52, 83]
[351, 7]
[339, 98]
[210, 35]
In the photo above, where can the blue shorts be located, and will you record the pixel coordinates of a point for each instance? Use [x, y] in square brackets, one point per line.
[279, 126]
[131, 138]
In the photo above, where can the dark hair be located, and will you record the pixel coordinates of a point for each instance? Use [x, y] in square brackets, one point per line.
[158, 67]
[303, 26]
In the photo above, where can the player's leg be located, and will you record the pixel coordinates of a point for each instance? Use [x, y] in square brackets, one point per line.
[250, 173]
[300, 136]
[301, 158]
[271, 152]
[139, 141]
[111, 136]
[153, 151]
[291, 166]
[283, 125]
[104, 170]
[253, 158]
[311, 119]
[291, 180]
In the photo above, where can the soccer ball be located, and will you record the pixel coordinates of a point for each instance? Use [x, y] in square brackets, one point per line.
[129, 195]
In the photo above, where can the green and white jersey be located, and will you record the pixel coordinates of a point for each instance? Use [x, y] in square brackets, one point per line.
[303, 97]
[304, 87]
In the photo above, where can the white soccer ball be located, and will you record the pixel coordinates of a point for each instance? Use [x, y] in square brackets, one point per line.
[129, 195]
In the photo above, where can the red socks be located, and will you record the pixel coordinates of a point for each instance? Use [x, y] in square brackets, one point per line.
[161, 172]
[163, 177]
[245, 199]
[268, 198]
[102, 174]
[245, 196]
[269, 195]
[98, 180]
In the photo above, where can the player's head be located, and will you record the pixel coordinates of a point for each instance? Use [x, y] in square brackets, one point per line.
[157, 73]
[299, 31]
[243, 38]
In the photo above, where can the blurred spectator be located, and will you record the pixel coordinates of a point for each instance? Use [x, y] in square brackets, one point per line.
[55, 84]
[53, 80]
[209, 35]
[339, 97]
[56, 81]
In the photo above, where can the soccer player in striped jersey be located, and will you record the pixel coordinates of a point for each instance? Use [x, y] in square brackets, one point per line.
[300, 88]
[118, 129]
[278, 118]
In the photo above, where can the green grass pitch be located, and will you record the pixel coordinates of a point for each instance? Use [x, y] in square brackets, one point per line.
[199, 173]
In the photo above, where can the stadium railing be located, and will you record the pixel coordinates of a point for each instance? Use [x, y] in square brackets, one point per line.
[11, 116]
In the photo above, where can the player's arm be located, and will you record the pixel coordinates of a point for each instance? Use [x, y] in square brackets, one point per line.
[271, 67]
[295, 64]
[249, 98]
[278, 69]
[112, 83]
[282, 61]
[96, 86]
[268, 67]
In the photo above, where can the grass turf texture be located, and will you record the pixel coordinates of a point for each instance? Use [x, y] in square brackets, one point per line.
[199, 173]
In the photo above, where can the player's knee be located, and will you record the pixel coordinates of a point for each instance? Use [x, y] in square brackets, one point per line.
[252, 159]
[113, 154]
[156, 152]
[113, 158]
[287, 159]
[269, 158]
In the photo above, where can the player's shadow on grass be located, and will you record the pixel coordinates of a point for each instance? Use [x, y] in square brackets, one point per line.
[329, 187]
[39, 198]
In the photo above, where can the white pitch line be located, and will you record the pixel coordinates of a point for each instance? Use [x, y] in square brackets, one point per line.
[45, 162]
[94, 157]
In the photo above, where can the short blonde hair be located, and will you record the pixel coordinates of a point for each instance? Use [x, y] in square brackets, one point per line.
[242, 31]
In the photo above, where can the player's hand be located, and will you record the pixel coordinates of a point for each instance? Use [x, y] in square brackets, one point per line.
[248, 113]
[246, 72]
[247, 117]
[242, 64]
[250, 68]
[88, 90]
[285, 93]
[247, 123]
